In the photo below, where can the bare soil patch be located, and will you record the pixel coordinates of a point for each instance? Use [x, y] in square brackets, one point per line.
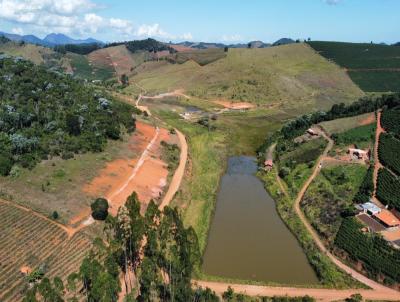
[145, 174]
[235, 105]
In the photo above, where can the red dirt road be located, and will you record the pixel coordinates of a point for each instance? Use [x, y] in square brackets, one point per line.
[378, 165]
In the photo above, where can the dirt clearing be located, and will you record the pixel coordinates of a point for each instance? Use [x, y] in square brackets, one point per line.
[235, 105]
[145, 174]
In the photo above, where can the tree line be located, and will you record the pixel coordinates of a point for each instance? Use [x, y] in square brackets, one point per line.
[45, 114]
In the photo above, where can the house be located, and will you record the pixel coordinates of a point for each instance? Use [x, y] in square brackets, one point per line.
[387, 218]
[358, 153]
[312, 132]
[268, 164]
[371, 208]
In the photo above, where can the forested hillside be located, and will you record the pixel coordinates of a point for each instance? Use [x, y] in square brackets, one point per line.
[46, 114]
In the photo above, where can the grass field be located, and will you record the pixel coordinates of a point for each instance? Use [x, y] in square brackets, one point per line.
[329, 195]
[290, 76]
[343, 124]
[200, 56]
[362, 136]
[27, 240]
[374, 67]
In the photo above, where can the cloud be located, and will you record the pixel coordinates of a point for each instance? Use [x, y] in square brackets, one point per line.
[332, 2]
[231, 38]
[75, 17]
[17, 31]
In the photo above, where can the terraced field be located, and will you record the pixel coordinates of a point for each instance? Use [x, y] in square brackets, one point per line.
[27, 240]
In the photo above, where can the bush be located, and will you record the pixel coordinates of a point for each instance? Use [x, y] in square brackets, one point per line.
[99, 209]
[55, 215]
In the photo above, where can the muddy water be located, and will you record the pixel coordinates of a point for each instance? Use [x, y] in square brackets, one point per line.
[247, 239]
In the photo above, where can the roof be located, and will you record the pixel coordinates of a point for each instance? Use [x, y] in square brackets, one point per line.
[371, 223]
[391, 235]
[370, 206]
[388, 218]
[358, 151]
[268, 162]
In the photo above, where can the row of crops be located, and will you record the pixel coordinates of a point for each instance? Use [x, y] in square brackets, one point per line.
[28, 240]
[377, 256]
[390, 121]
[373, 67]
[387, 189]
[389, 152]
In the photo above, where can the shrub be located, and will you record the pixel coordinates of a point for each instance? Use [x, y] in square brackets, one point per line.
[99, 209]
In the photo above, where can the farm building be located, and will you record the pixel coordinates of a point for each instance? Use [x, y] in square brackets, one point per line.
[387, 218]
[268, 164]
[371, 223]
[371, 208]
[312, 132]
[358, 153]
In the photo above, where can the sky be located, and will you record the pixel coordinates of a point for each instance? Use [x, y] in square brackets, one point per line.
[227, 21]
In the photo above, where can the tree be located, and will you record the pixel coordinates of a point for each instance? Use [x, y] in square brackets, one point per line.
[124, 79]
[229, 294]
[226, 48]
[99, 209]
[55, 215]
[73, 124]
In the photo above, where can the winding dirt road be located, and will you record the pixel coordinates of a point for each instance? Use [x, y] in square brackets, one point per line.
[377, 291]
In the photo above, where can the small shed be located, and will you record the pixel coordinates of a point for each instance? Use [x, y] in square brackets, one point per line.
[371, 208]
[358, 153]
[312, 132]
[268, 164]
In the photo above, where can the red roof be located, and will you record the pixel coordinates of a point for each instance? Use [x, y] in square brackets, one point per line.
[388, 218]
[269, 162]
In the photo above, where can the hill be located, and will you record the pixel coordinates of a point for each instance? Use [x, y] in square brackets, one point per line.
[46, 114]
[61, 39]
[283, 41]
[290, 76]
[374, 67]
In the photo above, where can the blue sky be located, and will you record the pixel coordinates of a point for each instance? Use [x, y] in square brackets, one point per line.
[206, 20]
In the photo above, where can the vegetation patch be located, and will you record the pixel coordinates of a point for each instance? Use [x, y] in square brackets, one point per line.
[388, 188]
[330, 197]
[374, 67]
[361, 136]
[377, 256]
[389, 151]
[44, 114]
[340, 125]
[390, 120]
[200, 56]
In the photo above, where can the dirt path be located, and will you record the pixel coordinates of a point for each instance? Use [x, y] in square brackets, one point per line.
[179, 172]
[378, 165]
[377, 292]
[318, 294]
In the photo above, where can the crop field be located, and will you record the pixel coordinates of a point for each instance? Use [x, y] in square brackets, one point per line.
[374, 67]
[389, 151]
[390, 121]
[329, 195]
[30, 241]
[82, 68]
[343, 124]
[361, 136]
[388, 188]
[284, 77]
[376, 254]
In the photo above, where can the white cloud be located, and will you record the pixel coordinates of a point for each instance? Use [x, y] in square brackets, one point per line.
[17, 31]
[75, 17]
[231, 38]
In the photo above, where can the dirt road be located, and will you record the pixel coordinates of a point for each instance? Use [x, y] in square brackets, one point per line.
[318, 294]
[179, 172]
[378, 165]
[377, 292]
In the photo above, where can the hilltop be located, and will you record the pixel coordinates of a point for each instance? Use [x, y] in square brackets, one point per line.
[289, 76]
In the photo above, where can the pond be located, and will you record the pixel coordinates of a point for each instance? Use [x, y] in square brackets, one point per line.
[247, 239]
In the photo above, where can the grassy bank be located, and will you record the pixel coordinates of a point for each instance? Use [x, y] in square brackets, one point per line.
[328, 273]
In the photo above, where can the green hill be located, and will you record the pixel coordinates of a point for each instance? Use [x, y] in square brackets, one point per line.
[374, 67]
[289, 76]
